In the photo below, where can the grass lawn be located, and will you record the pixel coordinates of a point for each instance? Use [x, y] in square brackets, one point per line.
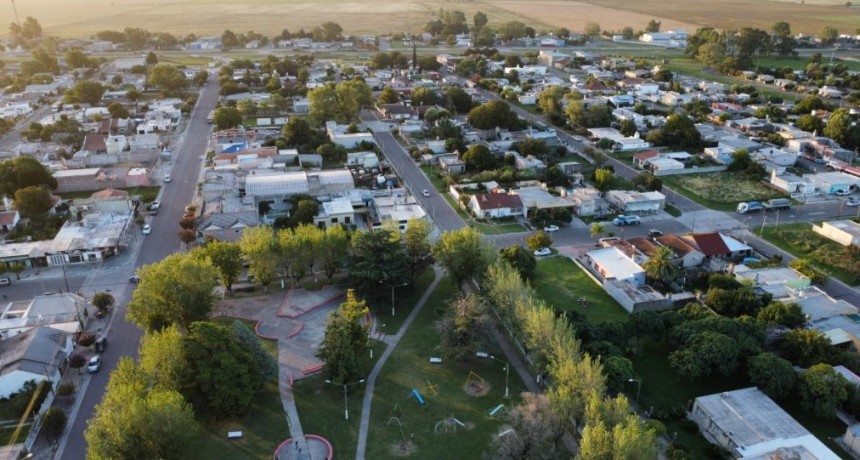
[405, 299]
[828, 256]
[450, 199]
[186, 60]
[560, 283]
[409, 368]
[131, 191]
[721, 191]
[497, 228]
[673, 211]
[435, 177]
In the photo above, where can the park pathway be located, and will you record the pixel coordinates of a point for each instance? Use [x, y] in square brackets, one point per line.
[392, 342]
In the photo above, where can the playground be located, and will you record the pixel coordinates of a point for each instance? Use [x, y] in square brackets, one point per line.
[426, 406]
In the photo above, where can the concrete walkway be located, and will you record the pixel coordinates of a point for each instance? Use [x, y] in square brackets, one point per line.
[392, 342]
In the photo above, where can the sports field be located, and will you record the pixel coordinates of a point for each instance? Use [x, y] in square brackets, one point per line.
[74, 18]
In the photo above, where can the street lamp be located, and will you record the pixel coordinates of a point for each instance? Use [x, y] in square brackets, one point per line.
[482, 354]
[393, 286]
[638, 388]
[345, 401]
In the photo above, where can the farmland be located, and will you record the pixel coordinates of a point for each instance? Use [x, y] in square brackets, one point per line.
[73, 18]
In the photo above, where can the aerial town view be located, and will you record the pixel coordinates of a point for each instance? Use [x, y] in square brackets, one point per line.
[453, 229]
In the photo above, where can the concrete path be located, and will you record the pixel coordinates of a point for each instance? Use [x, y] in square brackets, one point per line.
[392, 342]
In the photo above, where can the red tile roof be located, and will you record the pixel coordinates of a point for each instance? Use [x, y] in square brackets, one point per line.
[8, 217]
[94, 143]
[109, 193]
[498, 201]
[646, 154]
[711, 244]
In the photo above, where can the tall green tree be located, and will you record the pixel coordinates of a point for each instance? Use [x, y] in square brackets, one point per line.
[166, 78]
[779, 313]
[333, 250]
[299, 248]
[224, 377]
[177, 290]
[464, 253]
[537, 432]
[823, 390]
[260, 247]
[345, 341]
[462, 327]
[163, 359]
[659, 266]
[226, 257]
[265, 363]
[493, 114]
[522, 261]
[805, 347]
[416, 242]
[227, 117]
[33, 201]
[388, 96]
[378, 260]
[538, 239]
[775, 376]
[479, 157]
[85, 91]
[842, 129]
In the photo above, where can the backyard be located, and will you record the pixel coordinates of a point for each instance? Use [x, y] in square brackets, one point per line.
[442, 386]
[827, 256]
[561, 283]
[721, 191]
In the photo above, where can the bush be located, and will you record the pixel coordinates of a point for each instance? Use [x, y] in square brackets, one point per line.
[66, 389]
[86, 339]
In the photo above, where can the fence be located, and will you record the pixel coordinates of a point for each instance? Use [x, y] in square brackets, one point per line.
[700, 170]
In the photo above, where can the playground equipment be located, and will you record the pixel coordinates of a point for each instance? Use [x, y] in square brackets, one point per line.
[417, 396]
[395, 417]
[496, 409]
[473, 377]
[447, 424]
[431, 389]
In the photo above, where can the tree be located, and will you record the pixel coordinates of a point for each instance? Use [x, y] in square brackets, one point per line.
[345, 342]
[341, 102]
[226, 257]
[597, 229]
[648, 181]
[778, 313]
[679, 132]
[464, 253]
[549, 100]
[522, 261]
[263, 360]
[297, 132]
[163, 359]
[603, 179]
[223, 375]
[627, 127]
[479, 20]
[53, 422]
[33, 201]
[429, 63]
[733, 302]
[226, 118]
[77, 59]
[492, 115]
[652, 26]
[85, 91]
[592, 29]
[136, 421]
[810, 123]
[151, 58]
[176, 290]
[842, 129]
[16, 268]
[619, 372]
[462, 327]
[775, 376]
[479, 158]
[823, 390]
[333, 250]
[459, 99]
[388, 96]
[166, 78]
[260, 247]
[805, 347]
[659, 267]
[298, 249]
[705, 354]
[377, 258]
[102, 301]
[783, 40]
[423, 96]
[536, 431]
[117, 110]
[538, 239]
[828, 35]
[416, 241]
[24, 171]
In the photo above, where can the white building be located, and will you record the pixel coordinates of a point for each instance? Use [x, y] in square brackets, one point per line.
[795, 186]
[613, 263]
[335, 212]
[63, 311]
[751, 426]
[632, 202]
[34, 355]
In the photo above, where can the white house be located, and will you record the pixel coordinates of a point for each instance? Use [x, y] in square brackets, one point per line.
[613, 263]
[34, 355]
[632, 202]
[60, 311]
[335, 212]
[495, 205]
[795, 186]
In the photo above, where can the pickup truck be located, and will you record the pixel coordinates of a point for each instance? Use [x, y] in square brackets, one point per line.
[750, 206]
[776, 203]
[626, 220]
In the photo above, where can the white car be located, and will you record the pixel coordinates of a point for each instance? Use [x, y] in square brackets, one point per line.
[147, 229]
[543, 252]
[167, 178]
[550, 228]
[94, 364]
[426, 192]
[842, 192]
[155, 205]
[853, 202]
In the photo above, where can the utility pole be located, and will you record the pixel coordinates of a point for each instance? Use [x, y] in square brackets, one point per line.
[15, 9]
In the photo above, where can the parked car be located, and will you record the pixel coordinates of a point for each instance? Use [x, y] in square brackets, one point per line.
[100, 345]
[654, 233]
[94, 364]
[551, 228]
[167, 178]
[543, 252]
[853, 202]
[134, 279]
[842, 192]
[5, 281]
[147, 229]
[153, 212]
[426, 192]
[155, 205]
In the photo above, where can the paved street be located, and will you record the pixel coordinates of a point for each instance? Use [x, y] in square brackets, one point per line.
[125, 336]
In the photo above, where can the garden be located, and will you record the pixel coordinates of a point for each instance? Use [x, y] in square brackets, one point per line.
[561, 283]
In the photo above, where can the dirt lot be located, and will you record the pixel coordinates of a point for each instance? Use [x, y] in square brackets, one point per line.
[726, 188]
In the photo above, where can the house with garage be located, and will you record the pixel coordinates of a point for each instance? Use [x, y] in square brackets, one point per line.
[633, 202]
[686, 255]
[496, 205]
[749, 425]
[716, 245]
[795, 186]
[832, 182]
[35, 355]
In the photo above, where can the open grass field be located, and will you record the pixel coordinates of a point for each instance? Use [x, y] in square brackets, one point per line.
[829, 257]
[722, 191]
[560, 283]
[409, 368]
[75, 18]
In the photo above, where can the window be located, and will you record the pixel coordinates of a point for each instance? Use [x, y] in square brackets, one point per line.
[334, 220]
[346, 220]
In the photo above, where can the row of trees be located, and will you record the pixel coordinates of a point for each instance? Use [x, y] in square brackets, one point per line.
[731, 50]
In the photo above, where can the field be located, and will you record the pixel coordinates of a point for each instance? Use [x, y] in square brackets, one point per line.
[829, 257]
[721, 190]
[74, 18]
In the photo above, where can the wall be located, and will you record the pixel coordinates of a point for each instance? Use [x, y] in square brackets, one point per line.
[631, 305]
[699, 170]
[833, 233]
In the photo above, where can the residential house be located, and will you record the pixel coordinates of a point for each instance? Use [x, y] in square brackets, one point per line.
[528, 163]
[717, 245]
[225, 226]
[613, 263]
[749, 425]
[663, 166]
[587, 201]
[8, 220]
[366, 160]
[845, 232]
[569, 168]
[496, 205]
[37, 354]
[795, 186]
[536, 197]
[338, 211]
[339, 135]
[64, 311]
[641, 159]
[832, 182]
[451, 164]
[621, 142]
[687, 255]
[397, 112]
[632, 202]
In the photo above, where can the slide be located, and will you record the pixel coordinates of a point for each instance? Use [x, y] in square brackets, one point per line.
[417, 396]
